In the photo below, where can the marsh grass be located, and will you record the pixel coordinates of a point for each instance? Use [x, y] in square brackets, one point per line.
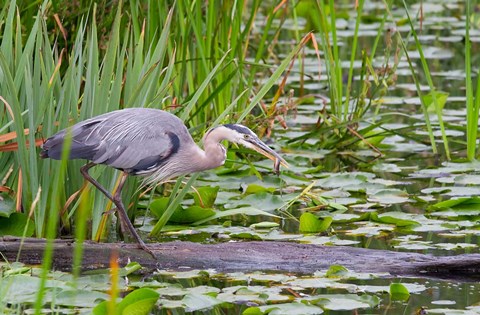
[185, 58]
[190, 60]
[473, 103]
[426, 70]
[196, 70]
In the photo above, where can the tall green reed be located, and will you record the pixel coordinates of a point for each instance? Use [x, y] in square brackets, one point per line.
[473, 103]
[184, 57]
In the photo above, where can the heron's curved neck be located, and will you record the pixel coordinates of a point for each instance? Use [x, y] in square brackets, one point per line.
[212, 156]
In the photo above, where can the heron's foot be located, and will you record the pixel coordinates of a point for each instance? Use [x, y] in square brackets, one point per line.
[144, 246]
[134, 234]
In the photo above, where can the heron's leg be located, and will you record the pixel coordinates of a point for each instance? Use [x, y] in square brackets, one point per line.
[84, 170]
[117, 200]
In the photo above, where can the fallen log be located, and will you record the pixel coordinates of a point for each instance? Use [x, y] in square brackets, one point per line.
[247, 257]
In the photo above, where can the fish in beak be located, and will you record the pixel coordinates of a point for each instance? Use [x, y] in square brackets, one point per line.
[259, 146]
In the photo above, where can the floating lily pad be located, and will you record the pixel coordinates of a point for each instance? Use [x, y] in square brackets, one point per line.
[389, 196]
[191, 214]
[255, 188]
[386, 167]
[80, 298]
[253, 294]
[264, 225]
[337, 302]
[288, 308]
[326, 240]
[239, 211]
[7, 206]
[310, 223]
[196, 302]
[342, 180]
[336, 271]
[471, 203]
[465, 179]
[205, 196]
[261, 200]
[370, 229]
[398, 292]
[17, 224]
[395, 217]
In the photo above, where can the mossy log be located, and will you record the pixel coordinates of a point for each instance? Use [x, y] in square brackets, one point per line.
[247, 257]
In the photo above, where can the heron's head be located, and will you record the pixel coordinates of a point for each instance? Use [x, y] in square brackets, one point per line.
[244, 136]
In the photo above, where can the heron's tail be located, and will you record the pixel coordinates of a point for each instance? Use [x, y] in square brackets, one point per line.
[44, 153]
[52, 147]
[48, 148]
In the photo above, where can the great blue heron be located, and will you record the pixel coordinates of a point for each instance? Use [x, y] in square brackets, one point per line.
[151, 143]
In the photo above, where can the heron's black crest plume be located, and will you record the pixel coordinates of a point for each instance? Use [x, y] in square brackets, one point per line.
[240, 129]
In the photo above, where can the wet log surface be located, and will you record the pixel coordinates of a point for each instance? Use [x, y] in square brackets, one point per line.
[248, 256]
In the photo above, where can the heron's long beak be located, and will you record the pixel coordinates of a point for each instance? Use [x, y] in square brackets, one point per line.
[265, 150]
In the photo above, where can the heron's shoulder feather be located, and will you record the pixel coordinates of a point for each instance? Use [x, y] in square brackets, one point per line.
[131, 139]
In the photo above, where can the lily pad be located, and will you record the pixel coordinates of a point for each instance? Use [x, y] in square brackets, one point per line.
[310, 223]
[17, 224]
[80, 298]
[389, 196]
[458, 203]
[196, 302]
[239, 211]
[398, 292]
[7, 206]
[395, 217]
[261, 200]
[191, 214]
[287, 308]
[205, 196]
[338, 302]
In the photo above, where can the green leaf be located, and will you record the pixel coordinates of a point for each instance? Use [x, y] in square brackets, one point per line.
[336, 271]
[398, 292]
[181, 215]
[309, 223]
[79, 298]
[205, 196]
[191, 214]
[19, 288]
[374, 137]
[294, 308]
[253, 311]
[394, 217]
[130, 268]
[455, 203]
[246, 236]
[158, 206]
[350, 217]
[255, 188]
[338, 302]
[342, 180]
[6, 206]
[15, 225]
[261, 200]
[195, 302]
[101, 308]
[389, 196]
[264, 225]
[138, 302]
[429, 101]
[241, 211]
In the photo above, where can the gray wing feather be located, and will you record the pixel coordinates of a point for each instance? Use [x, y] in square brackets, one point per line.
[134, 140]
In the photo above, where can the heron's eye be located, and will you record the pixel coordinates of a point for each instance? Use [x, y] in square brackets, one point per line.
[246, 137]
